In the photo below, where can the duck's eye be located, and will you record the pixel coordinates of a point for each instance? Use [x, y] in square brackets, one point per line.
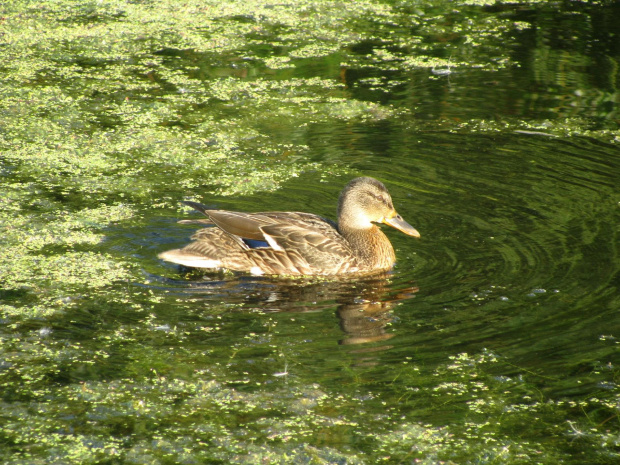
[381, 199]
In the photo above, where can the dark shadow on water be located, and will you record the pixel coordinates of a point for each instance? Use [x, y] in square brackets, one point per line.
[363, 304]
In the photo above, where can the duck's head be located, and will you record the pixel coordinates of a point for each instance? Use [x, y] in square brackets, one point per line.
[365, 201]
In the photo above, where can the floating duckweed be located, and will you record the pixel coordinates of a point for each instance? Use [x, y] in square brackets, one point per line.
[113, 108]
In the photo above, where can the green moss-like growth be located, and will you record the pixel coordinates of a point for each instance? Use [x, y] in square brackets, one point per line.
[113, 112]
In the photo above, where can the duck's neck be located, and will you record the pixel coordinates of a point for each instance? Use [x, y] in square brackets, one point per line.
[371, 247]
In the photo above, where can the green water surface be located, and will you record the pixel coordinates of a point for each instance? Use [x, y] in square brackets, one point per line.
[495, 127]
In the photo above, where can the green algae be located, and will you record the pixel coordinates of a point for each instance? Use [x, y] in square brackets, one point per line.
[208, 415]
[26, 260]
[111, 109]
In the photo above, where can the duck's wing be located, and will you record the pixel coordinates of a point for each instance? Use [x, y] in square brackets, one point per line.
[308, 238]
[297, 242]
[239, 224]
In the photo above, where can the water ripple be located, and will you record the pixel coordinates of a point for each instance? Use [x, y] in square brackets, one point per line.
[521, 213]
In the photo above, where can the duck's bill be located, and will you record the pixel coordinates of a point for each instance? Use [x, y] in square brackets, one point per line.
[400, 224]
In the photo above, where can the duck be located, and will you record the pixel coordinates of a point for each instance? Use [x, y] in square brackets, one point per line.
[297, 243]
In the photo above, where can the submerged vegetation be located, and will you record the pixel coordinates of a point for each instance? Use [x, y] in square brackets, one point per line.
[111, 112]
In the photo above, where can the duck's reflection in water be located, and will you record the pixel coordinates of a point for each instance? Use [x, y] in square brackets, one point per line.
[363, 304]
[364, 316]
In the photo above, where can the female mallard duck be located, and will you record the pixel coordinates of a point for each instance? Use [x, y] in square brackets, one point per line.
[294, 243]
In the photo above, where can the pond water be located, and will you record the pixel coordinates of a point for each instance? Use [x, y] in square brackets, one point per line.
[493, 340]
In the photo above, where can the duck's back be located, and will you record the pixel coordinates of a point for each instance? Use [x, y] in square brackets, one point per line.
[293, 243]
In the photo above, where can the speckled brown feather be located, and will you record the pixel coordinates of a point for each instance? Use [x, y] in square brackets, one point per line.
[297, 243]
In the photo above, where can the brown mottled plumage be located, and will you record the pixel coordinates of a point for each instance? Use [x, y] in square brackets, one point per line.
[294, 243]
